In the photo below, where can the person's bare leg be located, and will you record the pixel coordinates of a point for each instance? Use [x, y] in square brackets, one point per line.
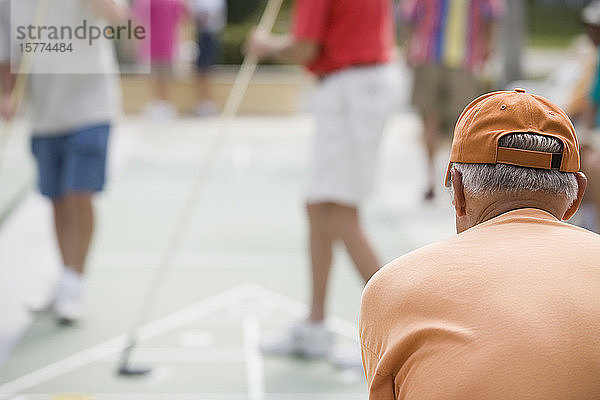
[206, 104]
[431, 126]
[61, 226]
[161, 86]
[74, 223]
[346, 223]
[85, 229]
[74, 220]
[203, 85]
[321, 252]
[328, 223]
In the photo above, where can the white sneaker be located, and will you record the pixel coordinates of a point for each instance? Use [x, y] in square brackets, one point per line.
[206, 108]
[68, 305]
[43, 298]
[39, 302]
[161, 111]
[43, 291]
[304, 339]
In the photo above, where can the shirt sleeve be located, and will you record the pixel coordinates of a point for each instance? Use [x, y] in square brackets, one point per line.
[380, 382]
[310, 19]
[595, 92]
[381, 385]
[4, 31]
[399, 321]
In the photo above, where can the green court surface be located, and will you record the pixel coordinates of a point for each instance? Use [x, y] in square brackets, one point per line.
[240, 273]
[16, 170]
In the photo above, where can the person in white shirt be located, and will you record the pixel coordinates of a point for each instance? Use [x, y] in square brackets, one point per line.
[73, 99]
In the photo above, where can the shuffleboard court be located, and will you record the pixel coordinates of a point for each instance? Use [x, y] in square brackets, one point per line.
[240, 274]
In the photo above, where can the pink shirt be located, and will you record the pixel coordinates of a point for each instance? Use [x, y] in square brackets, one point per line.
[161, 17]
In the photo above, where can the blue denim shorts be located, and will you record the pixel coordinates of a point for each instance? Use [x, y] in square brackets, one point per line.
[209, 50]
[74, 162]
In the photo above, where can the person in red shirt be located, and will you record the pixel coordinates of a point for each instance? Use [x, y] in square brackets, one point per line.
[349, 46]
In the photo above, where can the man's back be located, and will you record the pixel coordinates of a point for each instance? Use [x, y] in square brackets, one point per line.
[510, 309]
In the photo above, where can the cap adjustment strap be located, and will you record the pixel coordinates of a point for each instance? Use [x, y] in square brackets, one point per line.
[528, 158]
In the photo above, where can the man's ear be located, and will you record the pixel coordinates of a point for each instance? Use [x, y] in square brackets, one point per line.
[459, 193]
[581, 185]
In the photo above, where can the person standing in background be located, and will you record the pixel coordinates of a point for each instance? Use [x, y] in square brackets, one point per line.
[162, 18]
[590, 149]
[449, 41]
[73, 104]
[349, 46]
[211, 19]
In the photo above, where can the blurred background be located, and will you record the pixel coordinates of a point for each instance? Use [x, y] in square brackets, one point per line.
[240, 271]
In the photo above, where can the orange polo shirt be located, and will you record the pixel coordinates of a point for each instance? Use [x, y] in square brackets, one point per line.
[509, 309]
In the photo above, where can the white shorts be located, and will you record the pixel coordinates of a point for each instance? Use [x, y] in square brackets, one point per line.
[351, 109]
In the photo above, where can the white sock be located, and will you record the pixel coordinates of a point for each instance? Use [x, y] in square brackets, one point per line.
[71, 280]
[316, 324]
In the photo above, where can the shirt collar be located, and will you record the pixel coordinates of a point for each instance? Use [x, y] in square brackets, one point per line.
[520, 214]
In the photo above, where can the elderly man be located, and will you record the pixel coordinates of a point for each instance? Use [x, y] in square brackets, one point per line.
[510, 307]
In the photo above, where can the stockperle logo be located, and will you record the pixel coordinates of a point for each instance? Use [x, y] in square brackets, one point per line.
[65, 34]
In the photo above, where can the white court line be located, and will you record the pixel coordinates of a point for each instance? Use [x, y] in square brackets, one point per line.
[177, 319]
[203, 396]
[171, 355]
[299, 310]
[254, 363]
[191, 259]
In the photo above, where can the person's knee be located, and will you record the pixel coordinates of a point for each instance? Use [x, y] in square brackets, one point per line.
[345, 219]
[332, 218]
[343, 211]
[78, 196]
[316, 210]
[75, 203]
[60, 204]
[320, 216]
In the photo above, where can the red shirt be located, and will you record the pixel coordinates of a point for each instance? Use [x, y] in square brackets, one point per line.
[350, 32]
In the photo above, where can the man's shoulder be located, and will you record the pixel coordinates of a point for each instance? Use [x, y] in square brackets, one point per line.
[440, 260]
[431, 254]
[580, 232]
[417, 267]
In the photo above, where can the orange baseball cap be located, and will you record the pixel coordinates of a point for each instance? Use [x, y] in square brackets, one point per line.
[495, 114]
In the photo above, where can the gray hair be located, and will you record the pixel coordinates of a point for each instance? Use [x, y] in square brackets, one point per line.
[482, 179]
